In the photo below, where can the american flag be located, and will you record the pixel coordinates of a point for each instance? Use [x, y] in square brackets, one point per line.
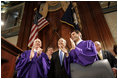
[39, 23]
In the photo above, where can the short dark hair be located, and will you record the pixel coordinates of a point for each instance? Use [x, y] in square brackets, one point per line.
[49, 47]
[115, 49]
[77, 31]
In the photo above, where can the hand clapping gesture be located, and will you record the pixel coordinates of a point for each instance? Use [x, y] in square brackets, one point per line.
[64, 50]
[39, 51]
[32, 53]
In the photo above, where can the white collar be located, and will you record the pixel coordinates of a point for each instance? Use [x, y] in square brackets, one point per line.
[60, 51]
[35, 50]
[100, 52]
[79, 41]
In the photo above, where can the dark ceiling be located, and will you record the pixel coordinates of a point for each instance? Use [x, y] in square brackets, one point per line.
[105, 5]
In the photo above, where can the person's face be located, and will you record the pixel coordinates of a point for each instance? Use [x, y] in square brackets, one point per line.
[74, 36]
[61, 43]
[50, 51]
[98, 46]
[37, 43]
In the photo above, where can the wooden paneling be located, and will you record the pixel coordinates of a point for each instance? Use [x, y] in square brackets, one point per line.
[94, 26]
[26, 24]
[56, 29]
[8, 58]
[48, 35]
[8, 67]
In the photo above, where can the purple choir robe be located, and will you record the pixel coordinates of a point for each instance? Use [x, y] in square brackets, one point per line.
[84, 53]
[36, 68]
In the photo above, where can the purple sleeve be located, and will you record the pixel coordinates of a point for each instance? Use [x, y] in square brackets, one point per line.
[22, 60]
[45, 63]
[85, 56]
[35, 68]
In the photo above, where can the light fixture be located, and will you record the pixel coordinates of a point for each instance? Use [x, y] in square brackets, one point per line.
[3, 11]
[2, 23]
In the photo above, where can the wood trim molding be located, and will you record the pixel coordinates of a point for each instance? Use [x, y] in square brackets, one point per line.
[12, 49]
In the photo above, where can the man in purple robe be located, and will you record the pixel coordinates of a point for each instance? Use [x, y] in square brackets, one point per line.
[82, 52]
[60, 66]
[33, 63]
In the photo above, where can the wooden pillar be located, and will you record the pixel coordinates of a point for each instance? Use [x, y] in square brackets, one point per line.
[9, 53]
[26, 24]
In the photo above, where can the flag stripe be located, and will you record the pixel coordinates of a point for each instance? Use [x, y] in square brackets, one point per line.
[43, 26]
[32, 33]
[33, 28]
[34, 39]
[34, 25]
[31, 40]
[42, 22]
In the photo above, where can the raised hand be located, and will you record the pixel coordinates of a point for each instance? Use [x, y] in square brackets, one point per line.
[114, 71]
[65, 51]
[39, 51]
[32, 53]
[72, 44]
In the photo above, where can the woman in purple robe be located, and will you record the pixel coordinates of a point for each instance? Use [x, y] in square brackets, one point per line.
[33, 63]
[82, 52]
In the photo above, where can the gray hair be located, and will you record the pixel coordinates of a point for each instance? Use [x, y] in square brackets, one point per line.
[63, 40]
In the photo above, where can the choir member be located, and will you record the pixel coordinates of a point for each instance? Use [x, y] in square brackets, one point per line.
[32, 63]
[49, 52]
[82, 52]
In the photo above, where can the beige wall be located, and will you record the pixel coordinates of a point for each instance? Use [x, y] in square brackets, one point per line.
[111, 19]
[12, 40]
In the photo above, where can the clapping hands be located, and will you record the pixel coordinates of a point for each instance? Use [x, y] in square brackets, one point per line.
[32, 53]
[62, 47]
[72, 44]
[39, 51]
